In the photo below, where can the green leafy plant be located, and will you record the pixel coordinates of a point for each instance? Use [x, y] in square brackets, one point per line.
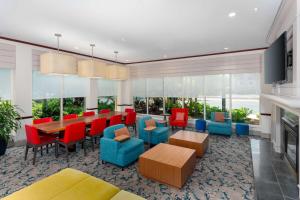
[106, 103]
[240, 114]
[9, 119]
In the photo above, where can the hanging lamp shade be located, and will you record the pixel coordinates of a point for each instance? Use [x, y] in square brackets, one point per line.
[57, 63]
[92, 69]
[117, 72]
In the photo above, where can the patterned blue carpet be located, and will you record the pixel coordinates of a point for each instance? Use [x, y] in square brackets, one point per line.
[225, 172]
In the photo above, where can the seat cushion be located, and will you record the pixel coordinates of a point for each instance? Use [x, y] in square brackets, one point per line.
[130, 145]
[218, 124]
[122, 195]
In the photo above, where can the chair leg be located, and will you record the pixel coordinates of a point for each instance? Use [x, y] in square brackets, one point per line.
[84, 147]
[95, 140]
[26, 152]
[93, 145]
[47, 148]
[56, 150]
[34, 155]
[67, 149]
[41, 150]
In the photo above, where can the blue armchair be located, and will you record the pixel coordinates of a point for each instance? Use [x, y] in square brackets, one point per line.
[119, 153]
[221, 128]
[158, 135]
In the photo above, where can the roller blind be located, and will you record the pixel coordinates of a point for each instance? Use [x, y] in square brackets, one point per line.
[75, 86]
[5, 84]
[216, 85]
[246, 85]
[173, 87]
[45, 86]
[193, 86]
[155, 87]
[107, 87]
[138, 87]
[7, 56]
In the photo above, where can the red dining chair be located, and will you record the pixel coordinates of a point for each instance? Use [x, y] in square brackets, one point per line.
[97, 127]
[116, 119]
[104, 111]
[88, 113]
[74, 133]
[70, 116]
[130, 120]
[127, 110]
[35, 141]
[42, 120]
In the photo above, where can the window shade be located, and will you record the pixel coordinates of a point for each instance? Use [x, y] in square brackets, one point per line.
[45, 86]
[5, 86]
[138, 87]
[193, 86]
[217, 85]
[245, 85]
[7, 56]
[75, 86]
[107, 87]
[155, 87]
[173, 87]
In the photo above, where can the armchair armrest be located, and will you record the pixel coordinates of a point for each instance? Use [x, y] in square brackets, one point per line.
[159, 124]
[109, 146]
[228, 120]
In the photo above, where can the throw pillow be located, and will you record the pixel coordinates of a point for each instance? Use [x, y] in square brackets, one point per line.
[122, 131]
[219, 117]
[121, 138]
[179, 116]
[150, 123]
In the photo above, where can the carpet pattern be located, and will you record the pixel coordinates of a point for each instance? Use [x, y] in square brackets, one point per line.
[225, 172]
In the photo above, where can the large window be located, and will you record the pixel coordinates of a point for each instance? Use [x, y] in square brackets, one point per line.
[234, 93]
[107, 94]
[107, 102]
[5, 84]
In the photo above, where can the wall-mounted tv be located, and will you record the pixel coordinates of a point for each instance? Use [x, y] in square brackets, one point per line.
[275, 61]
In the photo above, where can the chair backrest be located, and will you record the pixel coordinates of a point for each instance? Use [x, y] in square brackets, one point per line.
[98, 125]
[213, 118]
[70, 116]
[88, 113]
[32, 135]
[130, 118]
[103, 111]
[141, 123]
[129, 110]
[74, 132]
[42, 120]
[109, 132]
[116, 119]
[184, 110]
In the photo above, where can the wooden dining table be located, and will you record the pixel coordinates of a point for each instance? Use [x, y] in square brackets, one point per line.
[60, 126]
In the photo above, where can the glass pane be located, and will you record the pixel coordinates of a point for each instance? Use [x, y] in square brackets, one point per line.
[155, 105]
[45, 86]
[5, 86]
[138, 87]
[46, 108]
[108, 102]
[75, 86]
[140, 104]
[155, 87]
[213, 104]
[245, 110]
[107, 87]
[195, 106]
[173, 87]
[74, 105]
[173, 102]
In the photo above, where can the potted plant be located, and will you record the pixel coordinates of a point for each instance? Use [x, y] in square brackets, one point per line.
[9, 122]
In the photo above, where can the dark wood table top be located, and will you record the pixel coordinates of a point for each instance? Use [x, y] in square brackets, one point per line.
[56, 126]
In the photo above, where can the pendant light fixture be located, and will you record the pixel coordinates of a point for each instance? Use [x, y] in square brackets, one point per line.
[117, 72]
[57, 63]
[92, 68]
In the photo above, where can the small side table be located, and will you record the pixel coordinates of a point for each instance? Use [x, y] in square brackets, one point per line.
[200, 125]
[149, 131]
[164, 122]
[165, 116]
[242, 129]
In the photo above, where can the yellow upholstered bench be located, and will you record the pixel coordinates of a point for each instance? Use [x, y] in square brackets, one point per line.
[71, 184]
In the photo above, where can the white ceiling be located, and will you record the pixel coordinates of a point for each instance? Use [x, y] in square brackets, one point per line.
[140, 29]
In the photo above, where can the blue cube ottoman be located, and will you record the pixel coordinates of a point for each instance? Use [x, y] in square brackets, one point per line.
[200, 125]
[241, 129]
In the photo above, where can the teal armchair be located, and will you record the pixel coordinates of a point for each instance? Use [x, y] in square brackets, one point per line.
[220, 128]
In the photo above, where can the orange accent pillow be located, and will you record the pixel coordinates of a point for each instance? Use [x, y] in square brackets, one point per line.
[122, 131]
[150, 123]
[121, 138]
[179, 116]
[219, 117]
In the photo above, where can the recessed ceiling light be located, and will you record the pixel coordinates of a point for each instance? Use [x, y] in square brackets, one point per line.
[255, 9]
[127, 60]
[232, 14]
[76, 47]
[226, 48]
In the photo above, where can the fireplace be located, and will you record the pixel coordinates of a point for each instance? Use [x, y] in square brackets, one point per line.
[290, 139]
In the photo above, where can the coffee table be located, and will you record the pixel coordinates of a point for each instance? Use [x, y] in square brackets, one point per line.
[168, 164]
[192, 140]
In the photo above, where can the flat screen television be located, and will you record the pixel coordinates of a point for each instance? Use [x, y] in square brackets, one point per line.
[275, 61]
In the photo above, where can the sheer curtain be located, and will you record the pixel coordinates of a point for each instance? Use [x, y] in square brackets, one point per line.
[173, 87]
[155, 87]
[5, 86]
[139, 87]
[107, 87]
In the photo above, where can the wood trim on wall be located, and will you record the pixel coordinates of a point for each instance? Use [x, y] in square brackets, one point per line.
[24, 117]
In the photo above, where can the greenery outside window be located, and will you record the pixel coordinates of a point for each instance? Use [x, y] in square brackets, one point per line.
[140, 105]
[107, 102]
[173, 102]
[155, 105]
